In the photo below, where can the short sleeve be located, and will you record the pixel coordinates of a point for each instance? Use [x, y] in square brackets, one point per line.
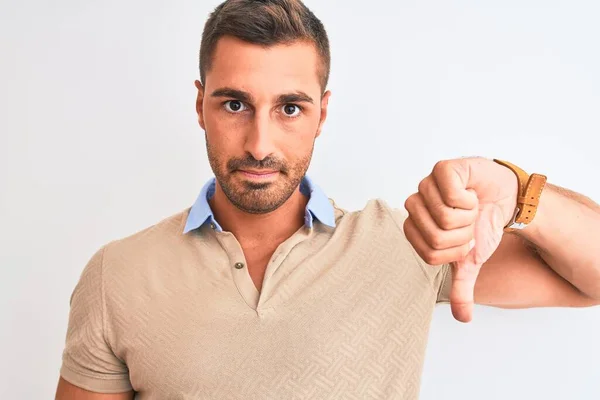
[440, 276]
[445, 284]
[88, 360]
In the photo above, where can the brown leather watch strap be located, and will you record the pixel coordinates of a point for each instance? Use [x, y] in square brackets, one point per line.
[529, 193]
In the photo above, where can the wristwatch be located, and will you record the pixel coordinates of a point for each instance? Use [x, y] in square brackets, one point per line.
[529, 192]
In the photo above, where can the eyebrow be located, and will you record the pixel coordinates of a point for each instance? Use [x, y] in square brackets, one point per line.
[296, 97]
[233, 93]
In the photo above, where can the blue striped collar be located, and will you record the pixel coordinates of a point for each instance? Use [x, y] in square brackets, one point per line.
[318, 206]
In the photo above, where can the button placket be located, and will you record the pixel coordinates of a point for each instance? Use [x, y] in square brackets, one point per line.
[239, 271]
[278, 257]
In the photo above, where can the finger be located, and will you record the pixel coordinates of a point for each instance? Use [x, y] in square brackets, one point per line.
[464, 275]
[445, 217]
[436, 237]
[427, 253]
[452, 178]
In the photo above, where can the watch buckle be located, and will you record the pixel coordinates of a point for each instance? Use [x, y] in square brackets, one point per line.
[513, 224]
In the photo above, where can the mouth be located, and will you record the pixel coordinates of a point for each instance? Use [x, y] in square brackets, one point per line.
[258, 174]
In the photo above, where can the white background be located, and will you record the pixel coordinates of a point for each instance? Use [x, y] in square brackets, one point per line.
[98, 139]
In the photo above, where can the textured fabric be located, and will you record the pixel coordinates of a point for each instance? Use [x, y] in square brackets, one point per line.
[344, 313]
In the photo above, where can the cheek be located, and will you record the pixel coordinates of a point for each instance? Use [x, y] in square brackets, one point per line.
[297, 141]
[223, 132]
[301, 132]
[218, 147]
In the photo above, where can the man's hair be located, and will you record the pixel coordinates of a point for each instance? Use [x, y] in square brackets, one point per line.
[265, 23]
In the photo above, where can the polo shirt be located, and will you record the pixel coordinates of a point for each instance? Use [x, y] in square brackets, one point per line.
[172, 313]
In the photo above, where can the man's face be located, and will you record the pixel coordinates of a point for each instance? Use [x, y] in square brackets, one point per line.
[261, 109]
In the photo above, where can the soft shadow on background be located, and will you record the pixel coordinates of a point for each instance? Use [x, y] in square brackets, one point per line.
[98, 139]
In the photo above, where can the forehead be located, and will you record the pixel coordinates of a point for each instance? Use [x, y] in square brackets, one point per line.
[257, 68]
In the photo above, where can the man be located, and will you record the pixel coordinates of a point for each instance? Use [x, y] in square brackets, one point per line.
[266, 289]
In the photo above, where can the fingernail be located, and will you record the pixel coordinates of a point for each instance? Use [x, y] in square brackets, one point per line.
[471, 244]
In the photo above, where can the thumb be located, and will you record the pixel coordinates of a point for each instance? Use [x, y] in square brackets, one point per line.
[464, 276]
[488, 233]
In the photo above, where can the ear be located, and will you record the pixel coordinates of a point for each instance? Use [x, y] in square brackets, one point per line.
[324, 104]
[199, 100]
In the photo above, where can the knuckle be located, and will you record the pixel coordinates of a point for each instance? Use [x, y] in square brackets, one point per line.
[431, 258]
[437, 242]
[441, 166]
[445, 220]
[422, 188]
[452, 197]
[409, 203]
[406, 228]
[428, 258]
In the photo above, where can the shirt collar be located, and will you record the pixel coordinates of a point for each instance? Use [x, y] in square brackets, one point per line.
[318, 207]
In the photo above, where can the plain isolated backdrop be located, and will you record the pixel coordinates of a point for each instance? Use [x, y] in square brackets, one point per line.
[99, 139]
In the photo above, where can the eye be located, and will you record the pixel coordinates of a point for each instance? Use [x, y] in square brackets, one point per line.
[291, 110]
[234, 106]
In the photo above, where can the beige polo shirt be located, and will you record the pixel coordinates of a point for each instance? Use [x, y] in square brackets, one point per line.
[343, 313]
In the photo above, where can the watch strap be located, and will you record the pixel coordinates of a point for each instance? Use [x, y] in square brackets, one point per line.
[529, 192]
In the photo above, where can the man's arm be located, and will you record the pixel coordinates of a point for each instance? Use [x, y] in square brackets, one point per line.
[68, 391]
[89, 360]
[458, 217]
[554, 261]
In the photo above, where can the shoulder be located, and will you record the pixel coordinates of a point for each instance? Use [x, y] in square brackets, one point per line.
[169, 228]
[376, 220]
[376, 212]
[158, 240]
[385, 224]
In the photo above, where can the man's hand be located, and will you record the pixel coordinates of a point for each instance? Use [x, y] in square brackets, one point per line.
[458, 216]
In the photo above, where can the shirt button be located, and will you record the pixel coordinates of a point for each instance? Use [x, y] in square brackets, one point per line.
[212, 225]
[239, 265]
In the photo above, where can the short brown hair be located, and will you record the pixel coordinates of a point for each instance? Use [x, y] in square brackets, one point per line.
[266, 23]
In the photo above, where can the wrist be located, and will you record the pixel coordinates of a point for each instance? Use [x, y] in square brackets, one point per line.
[533, 231]
[530, 188]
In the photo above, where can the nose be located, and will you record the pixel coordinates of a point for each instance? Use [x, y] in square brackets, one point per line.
[260, 139]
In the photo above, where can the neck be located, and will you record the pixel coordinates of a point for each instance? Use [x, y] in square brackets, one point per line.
[275, 226]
